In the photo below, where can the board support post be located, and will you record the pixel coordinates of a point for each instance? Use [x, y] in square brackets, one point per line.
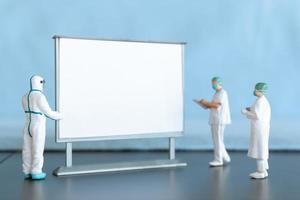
[172, 148]
[69, 154]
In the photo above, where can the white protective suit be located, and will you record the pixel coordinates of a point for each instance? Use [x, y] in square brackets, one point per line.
[37, 109]
[218, 119]
[260, 116]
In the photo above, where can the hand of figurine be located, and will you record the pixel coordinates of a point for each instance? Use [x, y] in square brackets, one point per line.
[61, 116]
[203, 103]
[244, 111]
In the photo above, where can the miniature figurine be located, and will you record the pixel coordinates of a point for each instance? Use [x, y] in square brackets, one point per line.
[260, 115]
[37, 109]
[218, 119]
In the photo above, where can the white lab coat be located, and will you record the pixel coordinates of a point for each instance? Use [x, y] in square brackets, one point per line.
[221, 115]
[260, 116]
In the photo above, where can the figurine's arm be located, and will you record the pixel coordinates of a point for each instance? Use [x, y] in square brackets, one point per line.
[45, 108]
[249, 114]
[24, 103]
[210, 105]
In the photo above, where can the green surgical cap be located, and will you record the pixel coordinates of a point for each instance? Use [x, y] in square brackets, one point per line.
[262, 87]
[217, 79]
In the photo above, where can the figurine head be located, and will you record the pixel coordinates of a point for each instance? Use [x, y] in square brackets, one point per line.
[260, 89]
[37, 83]
[216, 83]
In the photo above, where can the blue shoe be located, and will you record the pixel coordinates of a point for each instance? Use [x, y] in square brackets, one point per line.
[27, 176]
[39, 176]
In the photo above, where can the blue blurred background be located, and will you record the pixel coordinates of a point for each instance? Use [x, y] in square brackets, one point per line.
[242, 41]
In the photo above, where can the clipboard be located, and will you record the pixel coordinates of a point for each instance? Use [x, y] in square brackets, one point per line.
[197, 101]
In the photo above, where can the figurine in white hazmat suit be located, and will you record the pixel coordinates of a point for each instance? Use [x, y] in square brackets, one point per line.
[260, 115]
[36, 109]
[218, 119]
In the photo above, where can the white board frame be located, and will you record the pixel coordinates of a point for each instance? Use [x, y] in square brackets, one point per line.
[68, 169]
[116, 137]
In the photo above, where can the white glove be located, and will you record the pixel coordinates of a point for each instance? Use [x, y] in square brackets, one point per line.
[60, 116]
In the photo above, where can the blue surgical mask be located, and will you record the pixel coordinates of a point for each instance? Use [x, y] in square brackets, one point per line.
[254, 93]
[215, 86]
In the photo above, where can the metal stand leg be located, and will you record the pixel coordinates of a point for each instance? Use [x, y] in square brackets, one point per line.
[68, 154]
[171, 148]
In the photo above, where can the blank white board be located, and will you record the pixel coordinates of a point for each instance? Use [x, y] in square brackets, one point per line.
[118, 89]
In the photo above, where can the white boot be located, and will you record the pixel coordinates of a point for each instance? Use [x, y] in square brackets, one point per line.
[226, 158]
[261, 170]
[259, 175]
[215, 163]
[266, 164]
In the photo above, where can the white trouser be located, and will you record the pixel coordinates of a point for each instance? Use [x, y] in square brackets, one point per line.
[33, 148]
[262, 165]
[217, 132]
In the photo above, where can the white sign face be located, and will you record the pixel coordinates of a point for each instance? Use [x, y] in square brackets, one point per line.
[118, 88]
